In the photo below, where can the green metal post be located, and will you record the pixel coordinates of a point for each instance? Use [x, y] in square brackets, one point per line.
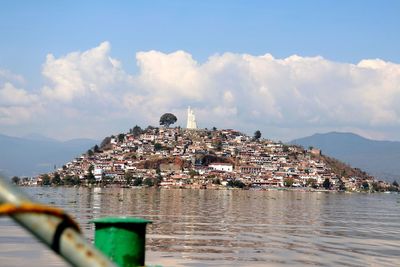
[122, 239]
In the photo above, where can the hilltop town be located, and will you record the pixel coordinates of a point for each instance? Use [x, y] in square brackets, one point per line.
[203, 158]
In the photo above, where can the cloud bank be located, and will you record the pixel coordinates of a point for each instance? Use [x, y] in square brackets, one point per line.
[90, 94]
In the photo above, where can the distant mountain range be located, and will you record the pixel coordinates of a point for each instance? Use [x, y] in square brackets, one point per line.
[35, 154]
[379, 158]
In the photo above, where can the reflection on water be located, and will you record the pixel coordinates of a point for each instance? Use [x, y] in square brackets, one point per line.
[230, 227]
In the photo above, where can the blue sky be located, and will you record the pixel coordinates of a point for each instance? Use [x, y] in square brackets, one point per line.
[338, 31]
[345, 31]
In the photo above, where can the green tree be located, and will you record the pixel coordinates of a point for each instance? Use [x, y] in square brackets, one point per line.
[288, 182]
[216, 181]
[193, 173]
[46, 179]
[90, 153]
[69, 180]
[158, 180]
[91, 168]
[218, 145]
[149, 129]
[365, 185]
[136, 131]
[128, 178]
[96, 149]
[56, 179]
[311, 182]
[235, 183]
[15, 180]
[167, 119]
[342, 186]
[138, 181]
[285, 148]
[90, 178]
[257, 135]
[327, 183]
[77, 180]
[149, 182]
[121, 137]
[157, 146]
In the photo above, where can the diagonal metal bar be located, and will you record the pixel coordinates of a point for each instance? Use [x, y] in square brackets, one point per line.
[53, 231]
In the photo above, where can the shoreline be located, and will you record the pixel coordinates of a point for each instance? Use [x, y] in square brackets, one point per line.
[290, 189]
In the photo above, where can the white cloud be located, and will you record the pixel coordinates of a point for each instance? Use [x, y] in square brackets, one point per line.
[14, 115]
[259, 91]
[11, 96]
[81, 74]
[177, 72]
[8, 76]
[16, 105]
[90, 92]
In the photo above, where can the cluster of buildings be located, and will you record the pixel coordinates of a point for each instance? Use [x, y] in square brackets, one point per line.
[175, 157]
[202, 158]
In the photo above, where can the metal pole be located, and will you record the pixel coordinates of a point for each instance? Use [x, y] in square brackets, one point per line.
[66, 241]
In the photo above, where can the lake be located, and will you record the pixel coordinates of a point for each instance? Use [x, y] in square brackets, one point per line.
[229, 227]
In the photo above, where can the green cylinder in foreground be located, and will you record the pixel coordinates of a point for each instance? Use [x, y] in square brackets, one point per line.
[121, 239]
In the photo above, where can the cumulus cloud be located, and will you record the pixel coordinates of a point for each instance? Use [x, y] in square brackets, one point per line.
[80, 74]
[167, 69]
[288, 92]
[284, 98]
[10, 95]
[14, 115]
[16, 105]
[8, 76]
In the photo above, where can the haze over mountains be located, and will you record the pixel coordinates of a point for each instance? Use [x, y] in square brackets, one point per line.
[35, 154]
[379, 158]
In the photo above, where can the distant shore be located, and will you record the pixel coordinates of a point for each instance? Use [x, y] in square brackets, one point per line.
[197, 187]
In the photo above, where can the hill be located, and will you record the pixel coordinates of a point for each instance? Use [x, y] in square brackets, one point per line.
[36, 154]
[378, 158]
[182, 158]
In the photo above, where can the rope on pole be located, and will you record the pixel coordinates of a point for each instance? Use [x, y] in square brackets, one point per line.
[11, 209]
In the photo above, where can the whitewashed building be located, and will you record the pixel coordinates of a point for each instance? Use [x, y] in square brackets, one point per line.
[225, 167]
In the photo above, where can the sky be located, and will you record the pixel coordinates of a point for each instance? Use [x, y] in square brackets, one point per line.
[75, 69]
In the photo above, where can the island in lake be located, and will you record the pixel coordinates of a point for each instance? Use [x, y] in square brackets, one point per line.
[206, 158]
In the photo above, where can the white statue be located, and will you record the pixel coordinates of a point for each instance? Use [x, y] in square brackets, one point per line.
[191, 120]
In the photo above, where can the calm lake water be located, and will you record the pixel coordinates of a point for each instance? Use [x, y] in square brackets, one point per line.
[229, 227]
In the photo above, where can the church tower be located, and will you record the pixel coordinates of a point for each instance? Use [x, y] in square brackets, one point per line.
[191, 120]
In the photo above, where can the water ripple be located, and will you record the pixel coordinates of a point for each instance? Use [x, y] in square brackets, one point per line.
[231, 228]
